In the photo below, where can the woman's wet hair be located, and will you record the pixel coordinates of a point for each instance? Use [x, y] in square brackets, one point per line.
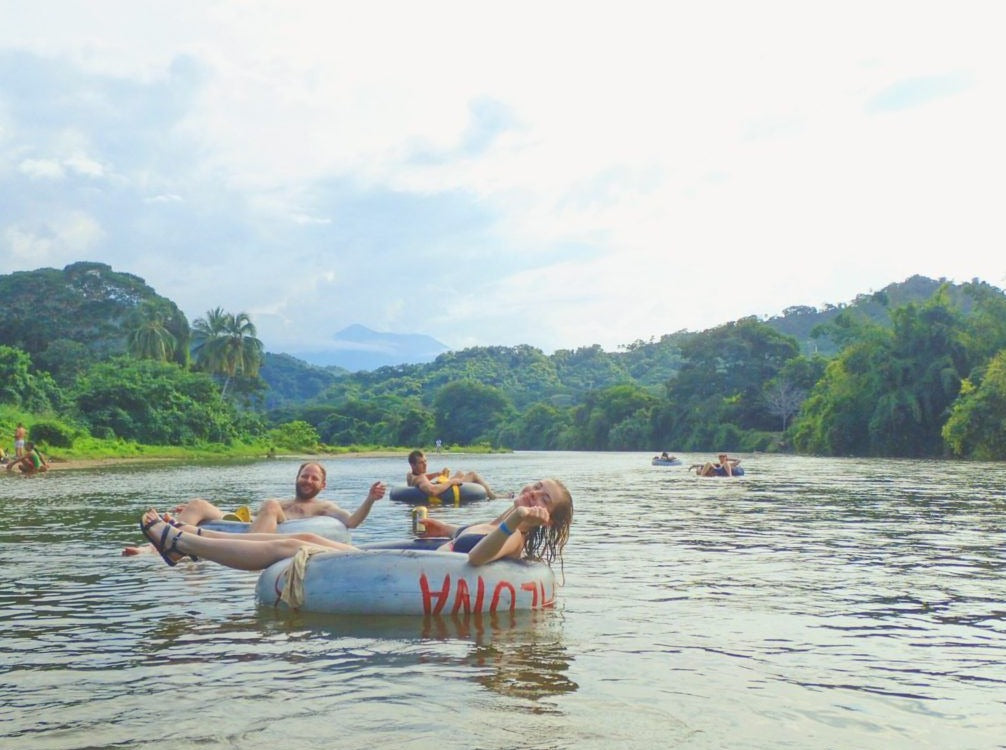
[546, 542]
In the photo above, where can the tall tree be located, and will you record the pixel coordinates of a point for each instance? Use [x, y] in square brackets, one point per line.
[975, 428]
[153, 402]
[889, 391]
[783, 399]
[466, 412]
[721, 381]
[226, 345]
[148, 336]
[615, 418]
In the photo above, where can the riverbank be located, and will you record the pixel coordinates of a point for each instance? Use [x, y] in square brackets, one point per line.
[96, 454]
[64, 464]
[94, 463]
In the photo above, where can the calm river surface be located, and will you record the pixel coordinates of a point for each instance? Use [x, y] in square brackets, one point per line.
[813, 603]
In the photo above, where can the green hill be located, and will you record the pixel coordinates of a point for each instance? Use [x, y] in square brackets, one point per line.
[800, 322]
[67, 318]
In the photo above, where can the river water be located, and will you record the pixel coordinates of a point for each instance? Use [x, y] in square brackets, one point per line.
[811, 603]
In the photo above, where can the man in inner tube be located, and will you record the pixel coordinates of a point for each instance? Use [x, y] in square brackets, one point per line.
[436, 484]
[311, 478]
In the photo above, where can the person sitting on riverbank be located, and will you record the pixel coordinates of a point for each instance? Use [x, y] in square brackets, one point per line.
[435, 484]
[32, 462]
[723, 468]
[535, 527]
[311, 480]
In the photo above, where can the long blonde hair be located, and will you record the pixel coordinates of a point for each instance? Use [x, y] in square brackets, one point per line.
[545, 543]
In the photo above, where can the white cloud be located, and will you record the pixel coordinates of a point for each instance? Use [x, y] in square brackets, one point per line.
[558, 174]
[84, 165]
[62, 240]
[301, 218]
[57, 169]
[25, 247]
[42, 169]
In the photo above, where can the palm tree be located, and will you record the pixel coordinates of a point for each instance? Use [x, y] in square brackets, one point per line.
[148, 337]
[225, 345]
[207, 334]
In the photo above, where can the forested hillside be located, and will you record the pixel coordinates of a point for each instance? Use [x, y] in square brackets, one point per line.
[293, 381]
[808, 324]
[916, 369]
[67, 319]
[745, 385]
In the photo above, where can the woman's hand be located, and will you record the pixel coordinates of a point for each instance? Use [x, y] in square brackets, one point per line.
[528, 518]
[437, 528]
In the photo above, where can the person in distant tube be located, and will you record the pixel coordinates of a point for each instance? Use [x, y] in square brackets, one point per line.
[724, 467]
[435, 484]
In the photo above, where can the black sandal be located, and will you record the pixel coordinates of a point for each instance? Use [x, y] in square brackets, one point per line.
[160, 545]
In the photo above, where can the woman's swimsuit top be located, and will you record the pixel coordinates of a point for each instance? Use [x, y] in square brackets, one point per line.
[466, 542]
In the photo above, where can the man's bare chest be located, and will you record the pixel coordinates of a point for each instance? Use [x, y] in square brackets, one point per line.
[294, 509]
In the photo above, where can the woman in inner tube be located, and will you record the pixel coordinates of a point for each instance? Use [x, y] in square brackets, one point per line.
[535, 527]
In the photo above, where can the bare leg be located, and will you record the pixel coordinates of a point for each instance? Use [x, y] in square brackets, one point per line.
[706, 471]
[197, 510]
[304, 536]
[270, 515]
[471, 476]
[234, 551]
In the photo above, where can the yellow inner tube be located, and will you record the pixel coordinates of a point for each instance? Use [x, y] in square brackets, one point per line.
[439, 499]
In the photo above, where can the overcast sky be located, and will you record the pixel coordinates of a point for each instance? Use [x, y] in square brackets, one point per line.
[557, 174]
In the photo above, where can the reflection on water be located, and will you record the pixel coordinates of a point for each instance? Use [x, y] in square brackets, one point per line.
[527, 670]
[810, 603]
[519, 654]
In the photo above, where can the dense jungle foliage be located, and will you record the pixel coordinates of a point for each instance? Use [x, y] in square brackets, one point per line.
[918, 369]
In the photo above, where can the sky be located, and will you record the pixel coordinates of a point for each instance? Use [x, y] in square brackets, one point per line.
[559, 174]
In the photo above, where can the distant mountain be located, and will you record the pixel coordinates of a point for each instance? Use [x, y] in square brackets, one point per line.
[357, 347]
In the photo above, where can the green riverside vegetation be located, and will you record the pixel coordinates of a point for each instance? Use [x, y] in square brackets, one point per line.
[97, 365]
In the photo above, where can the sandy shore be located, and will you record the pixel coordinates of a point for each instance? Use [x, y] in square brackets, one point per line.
[59, 464]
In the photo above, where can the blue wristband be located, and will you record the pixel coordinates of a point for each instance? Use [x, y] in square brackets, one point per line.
[504, 528]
